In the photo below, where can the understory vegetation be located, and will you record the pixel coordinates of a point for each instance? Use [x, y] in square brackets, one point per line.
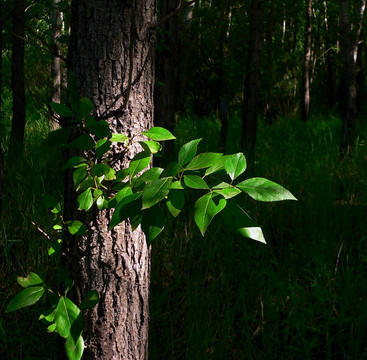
[301, 296]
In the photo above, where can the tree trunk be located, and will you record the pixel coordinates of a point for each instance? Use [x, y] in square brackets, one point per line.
[167, 89]
[17, 75]
[56, 62]
[305, 104]
[112, 57]
[348, 90]
[252, 83]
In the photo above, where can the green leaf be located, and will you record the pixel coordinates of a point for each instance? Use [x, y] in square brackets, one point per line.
[48, 316]
[176, 185]
[218, 166]
[86, 106]
[122, 174]
[265, 190]
[102, 203]
[66, 315]
[237, 220]
[206, 208]
[85, 200]
[26, 297]
[100, 128]
[235, 165]
[74, 349]
[90, 300]
[119, 196]
[139, 163]
[148, 176]
[51, 328]
[83, 142]
[74, 161]
[55, 248]
[156, 191]
[159, 134]
[172, 169]
[121, 138]
[151, 146]
[203, 161]
[187, 152]
[31, 280]
[100, 170]
[152, 223]
[175, 202]
[79, 174]
[76, 227]
[195, 182]
[229, 192]
[102, 146]
[62, 110]
[128, 207]
[59, 137]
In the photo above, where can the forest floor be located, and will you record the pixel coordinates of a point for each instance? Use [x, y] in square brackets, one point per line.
[301, 296]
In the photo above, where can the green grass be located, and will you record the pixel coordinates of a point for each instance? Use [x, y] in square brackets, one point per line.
[301, 296]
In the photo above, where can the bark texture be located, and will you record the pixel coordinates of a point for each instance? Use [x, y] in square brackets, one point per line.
[112, 56]
[252, 82]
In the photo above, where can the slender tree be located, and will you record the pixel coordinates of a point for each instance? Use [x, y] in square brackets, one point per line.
[56, 61]
[251, 91]
[305, 104]
[112, 57]
[17, 75]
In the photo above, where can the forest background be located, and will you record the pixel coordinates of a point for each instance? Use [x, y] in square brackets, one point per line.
[282, 81]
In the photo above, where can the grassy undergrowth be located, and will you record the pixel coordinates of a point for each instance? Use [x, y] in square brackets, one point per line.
[302, 296]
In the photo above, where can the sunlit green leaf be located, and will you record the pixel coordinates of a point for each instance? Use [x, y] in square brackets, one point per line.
[151, 146]
[265, 190]
[85, 200]
[155, 191]
[187, 152]
[26, 297]
[235, 165]
[66, 314]
[206, 208]
[203, 161]
[74, 349]
[128, 207]
[122, 138]
[139, 163]
[195, 182]
[31, 280]
[76, 227]
[159, 134]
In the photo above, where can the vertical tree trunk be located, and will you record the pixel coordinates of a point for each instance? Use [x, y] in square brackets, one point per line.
[167, 90]
[17, 75]
[56, 62]
[305, 104]
[252, 82]
[348, 91]
[112, 56]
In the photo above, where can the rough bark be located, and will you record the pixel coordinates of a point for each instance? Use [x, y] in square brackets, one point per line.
[112, 56]
[305, 104]
[252, 82]
[56, 62]
[17, 75]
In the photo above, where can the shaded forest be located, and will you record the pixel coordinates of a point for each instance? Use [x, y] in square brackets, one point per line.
[283, 82]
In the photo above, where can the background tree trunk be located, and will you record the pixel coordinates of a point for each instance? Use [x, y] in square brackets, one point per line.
[112, 56]
[252, 82]
[305, 104]
[56, 62]
[348, 90]
[17, 75]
